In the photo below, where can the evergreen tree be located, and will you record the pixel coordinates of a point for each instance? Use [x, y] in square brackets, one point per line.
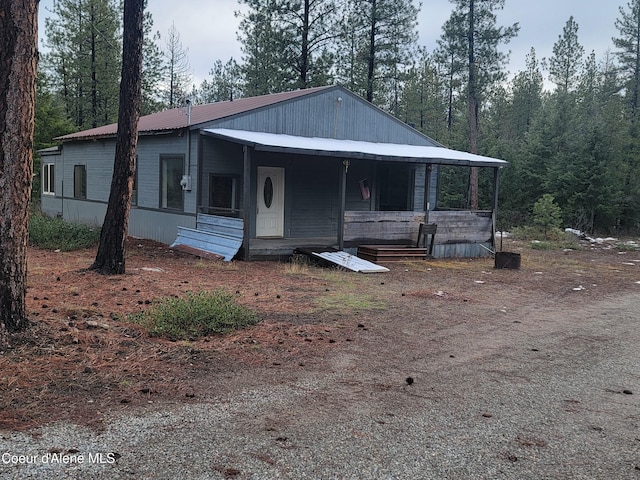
[527, 88]
[110, 258]
[84, 61]
[290, 38]
[513, 121]
[566, 63]
[50, 120]
[450, 56]
[225, 83]
[263, 47]
[378, 43]
[153, 67]
[18, 71]
[485, 63]
[176, 84]
[422, 100]
[628, 52]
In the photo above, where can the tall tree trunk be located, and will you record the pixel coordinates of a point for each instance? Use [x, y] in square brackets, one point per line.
[304, 56]
[18, 66]
[473, 108]
[94, 76]
[110, 259]
[371, 67]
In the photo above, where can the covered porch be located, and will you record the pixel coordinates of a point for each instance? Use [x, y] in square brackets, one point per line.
[329, 186]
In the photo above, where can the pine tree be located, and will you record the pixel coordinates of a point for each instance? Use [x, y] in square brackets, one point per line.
[263, 49]
[484, 63]
[378, 41]
[84, 58]
[422, 100]
[628, 52]
[153, 67]
[566, 63]
[177, 72]
[18, 71]
[286, 44]
[225, 83]
[110, 258]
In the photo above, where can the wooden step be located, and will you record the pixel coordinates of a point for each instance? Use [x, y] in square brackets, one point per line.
[382, 253]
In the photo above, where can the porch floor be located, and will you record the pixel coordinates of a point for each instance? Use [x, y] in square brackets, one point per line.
[282, 247]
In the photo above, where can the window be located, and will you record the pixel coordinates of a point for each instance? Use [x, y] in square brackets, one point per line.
[48, 179]
[223, 192]
[395, 187]
[171, 171]
[79, 181]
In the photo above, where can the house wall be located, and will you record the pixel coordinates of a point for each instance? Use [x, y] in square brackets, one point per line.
[147, 219]
[322, 115]
[51, 205]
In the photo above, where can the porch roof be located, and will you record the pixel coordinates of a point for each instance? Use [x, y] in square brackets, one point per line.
[331, 147]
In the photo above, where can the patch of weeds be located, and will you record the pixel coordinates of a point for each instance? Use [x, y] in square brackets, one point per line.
[628, 247]
[349, 302]
[196, 315]
[570, 245]
[540, 245]
[56, 234]
[298, 265]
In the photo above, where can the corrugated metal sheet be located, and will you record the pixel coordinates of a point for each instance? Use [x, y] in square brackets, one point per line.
[351, 262]
[219, 235]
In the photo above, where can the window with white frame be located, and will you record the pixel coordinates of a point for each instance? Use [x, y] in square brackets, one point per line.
[48, 179]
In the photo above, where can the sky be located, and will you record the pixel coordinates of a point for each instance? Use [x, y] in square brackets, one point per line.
[207, 28]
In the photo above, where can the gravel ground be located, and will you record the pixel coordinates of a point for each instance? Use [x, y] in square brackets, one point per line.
[539, 393]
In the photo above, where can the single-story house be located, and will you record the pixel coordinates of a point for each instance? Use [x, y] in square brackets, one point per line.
[269, 174]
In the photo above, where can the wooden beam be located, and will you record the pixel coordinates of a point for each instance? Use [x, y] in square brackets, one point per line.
[494, 213]
[427, 191]
[343, 203]
[246, 202]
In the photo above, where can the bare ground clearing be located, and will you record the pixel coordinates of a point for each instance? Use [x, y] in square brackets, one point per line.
[458, 330]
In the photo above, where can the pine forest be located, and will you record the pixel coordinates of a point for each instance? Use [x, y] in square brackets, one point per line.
[568, 125]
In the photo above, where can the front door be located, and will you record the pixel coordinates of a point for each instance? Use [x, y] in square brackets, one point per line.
[270, 204]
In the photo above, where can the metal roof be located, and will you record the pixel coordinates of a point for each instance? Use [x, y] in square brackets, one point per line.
[332, 147]
[178, 118]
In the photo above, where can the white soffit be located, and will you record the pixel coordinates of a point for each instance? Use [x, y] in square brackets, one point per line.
[354, 149]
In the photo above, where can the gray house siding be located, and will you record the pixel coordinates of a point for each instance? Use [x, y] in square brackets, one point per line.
[312, 193]
[51, 205]
[322, 115]
[147, 219]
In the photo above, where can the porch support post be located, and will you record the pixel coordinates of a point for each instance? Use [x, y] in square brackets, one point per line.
[427, 191]
[343, 203]
[494, 213]
[246, 201]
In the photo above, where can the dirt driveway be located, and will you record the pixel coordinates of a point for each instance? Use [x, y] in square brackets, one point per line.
[444, 369]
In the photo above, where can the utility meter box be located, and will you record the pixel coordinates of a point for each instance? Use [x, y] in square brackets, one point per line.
[185, 183]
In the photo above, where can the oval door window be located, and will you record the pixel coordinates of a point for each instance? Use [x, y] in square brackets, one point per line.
[268, 192]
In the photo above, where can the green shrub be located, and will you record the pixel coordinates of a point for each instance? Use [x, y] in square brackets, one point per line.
[547, 214]
[196, 315]
[538, 245]
[56, 234]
